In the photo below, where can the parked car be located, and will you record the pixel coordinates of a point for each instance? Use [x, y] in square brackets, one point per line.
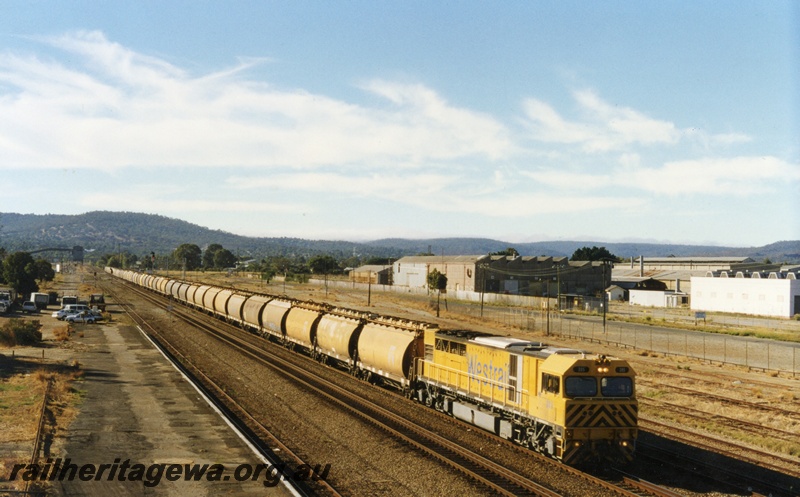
[97, 314]
[62, 314]
[69, 309]
[29, 307]
[82, 317]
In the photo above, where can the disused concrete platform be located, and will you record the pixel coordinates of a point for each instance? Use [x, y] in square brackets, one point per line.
[138, 410]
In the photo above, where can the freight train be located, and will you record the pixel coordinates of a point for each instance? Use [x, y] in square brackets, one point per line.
[565, 403]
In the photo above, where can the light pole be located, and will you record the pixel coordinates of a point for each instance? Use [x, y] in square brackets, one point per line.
[605, 294]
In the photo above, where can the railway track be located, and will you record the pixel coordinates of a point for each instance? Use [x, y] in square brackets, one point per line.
[751, 454]
[733, 423]
[257, 435]
[723, 472]
[31, 487]
[494, 476]
[722, 399]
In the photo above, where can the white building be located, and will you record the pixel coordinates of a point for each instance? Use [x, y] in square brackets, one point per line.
[655, 298]
[761, 294]
[461, 270]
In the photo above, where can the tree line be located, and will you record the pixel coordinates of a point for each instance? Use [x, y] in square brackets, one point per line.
[215, 257]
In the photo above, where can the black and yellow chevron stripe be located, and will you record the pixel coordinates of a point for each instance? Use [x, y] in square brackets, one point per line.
[601, 415]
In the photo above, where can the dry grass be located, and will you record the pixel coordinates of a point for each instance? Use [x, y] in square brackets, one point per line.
[21, 397]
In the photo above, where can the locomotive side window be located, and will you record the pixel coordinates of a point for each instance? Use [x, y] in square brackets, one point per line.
[580, 386]
[551, 383]
[616, 386]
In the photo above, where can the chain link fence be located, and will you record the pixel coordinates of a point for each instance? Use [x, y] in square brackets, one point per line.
[761, 354]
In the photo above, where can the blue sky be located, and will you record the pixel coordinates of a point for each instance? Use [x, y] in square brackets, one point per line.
[520, 121]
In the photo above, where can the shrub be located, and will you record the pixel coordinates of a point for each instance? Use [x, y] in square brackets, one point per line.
[62, 333]
[21, 332]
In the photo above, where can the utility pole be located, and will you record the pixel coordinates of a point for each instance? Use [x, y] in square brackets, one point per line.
[605, 295]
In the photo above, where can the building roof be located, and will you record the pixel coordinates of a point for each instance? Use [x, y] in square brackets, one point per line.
[441, 259]
[703, 260]
[627, 274]
[374, 268]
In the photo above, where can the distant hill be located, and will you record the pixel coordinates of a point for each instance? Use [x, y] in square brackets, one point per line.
[103, 232]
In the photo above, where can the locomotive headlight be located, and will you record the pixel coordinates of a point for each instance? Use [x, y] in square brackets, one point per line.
[624, 443]
[576, 443]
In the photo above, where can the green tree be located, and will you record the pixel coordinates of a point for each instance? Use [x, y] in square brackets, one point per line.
[224, 258]
[437, 280]
[510, 251]
[3, 255]
[118, 260]
[44, 270]
[146, 262]
[188, 254]
[208, 255]
[323, 264]
[592, 254]
[19, 271]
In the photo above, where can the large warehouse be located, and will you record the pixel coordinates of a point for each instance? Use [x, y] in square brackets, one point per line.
[532, 276]
[763, 294]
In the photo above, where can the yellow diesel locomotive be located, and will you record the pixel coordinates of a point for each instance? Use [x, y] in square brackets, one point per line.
[577, 408]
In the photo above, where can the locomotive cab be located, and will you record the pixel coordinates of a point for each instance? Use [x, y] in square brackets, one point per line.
[593, 399]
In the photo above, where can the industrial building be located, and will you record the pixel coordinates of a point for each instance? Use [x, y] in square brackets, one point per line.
[675, 275]
[532, 276]
[374, 274]
[676, 272]
[761, 293]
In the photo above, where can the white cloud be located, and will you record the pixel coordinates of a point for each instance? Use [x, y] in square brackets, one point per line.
[604, 127]
[737, 176]
[112, 107]
[711, 177]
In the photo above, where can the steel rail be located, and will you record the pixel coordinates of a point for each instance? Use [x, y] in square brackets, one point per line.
[37, 441]
[216, 393]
